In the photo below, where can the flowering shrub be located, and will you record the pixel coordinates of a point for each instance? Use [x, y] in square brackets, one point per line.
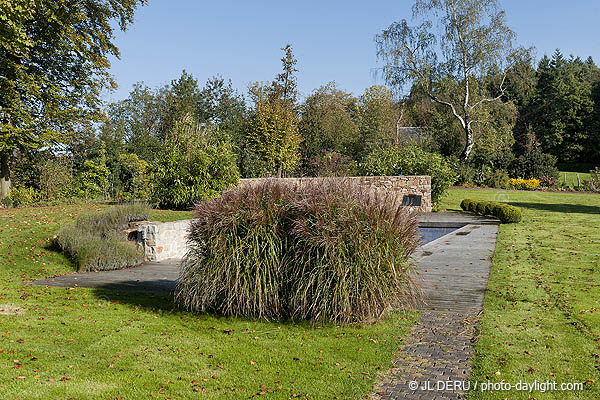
[524, 184]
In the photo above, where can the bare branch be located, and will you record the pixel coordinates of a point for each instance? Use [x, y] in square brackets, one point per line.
[492, 99]
[446, 103]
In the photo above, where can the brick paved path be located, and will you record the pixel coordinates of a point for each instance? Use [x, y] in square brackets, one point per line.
[453, 272]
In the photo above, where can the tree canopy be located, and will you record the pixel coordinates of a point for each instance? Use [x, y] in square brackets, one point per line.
[54, 60]
[272, 128]
[455, 44]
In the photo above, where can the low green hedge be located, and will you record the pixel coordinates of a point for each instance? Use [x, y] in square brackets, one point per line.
[504, 212]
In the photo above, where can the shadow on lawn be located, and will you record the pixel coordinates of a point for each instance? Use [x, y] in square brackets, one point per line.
[151, 295]
[561, 208]
[161, 302]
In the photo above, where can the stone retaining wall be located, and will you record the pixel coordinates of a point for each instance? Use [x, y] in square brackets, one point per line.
[161, 240]
[405, 187]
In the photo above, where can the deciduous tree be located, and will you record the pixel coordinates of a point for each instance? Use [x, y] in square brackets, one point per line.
[472, 43]
[272, 129]
[328, 124]
[54, 61]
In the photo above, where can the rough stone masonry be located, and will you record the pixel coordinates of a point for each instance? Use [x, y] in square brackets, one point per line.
[164, 240]
[405, 187]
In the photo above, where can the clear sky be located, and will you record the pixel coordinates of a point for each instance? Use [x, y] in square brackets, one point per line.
[332, 39]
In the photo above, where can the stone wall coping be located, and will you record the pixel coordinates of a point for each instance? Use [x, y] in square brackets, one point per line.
[368, 177]
[141, 223]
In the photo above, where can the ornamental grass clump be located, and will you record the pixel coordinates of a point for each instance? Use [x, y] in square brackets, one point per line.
[97, 242]
[351, 251]
[239, 253]
[322, 250]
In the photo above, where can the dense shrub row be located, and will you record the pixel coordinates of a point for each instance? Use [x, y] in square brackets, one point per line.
[322, 251]
[192, 164]
[494, 170]
[412, 160]
[97, 242]
[504, 212]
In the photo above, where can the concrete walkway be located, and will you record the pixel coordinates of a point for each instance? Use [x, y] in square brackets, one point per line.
[155, 277]
[453, 272]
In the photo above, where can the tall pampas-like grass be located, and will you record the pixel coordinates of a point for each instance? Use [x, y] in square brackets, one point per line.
[321, 250]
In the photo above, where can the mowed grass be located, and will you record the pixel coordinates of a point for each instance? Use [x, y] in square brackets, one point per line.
[541, 317]
[570, 178]
[96, 344]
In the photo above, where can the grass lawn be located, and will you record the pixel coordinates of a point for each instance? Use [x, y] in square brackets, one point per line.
[541, 315]
[97, 344]
[570, 178]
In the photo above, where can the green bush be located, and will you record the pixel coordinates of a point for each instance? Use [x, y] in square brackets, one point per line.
[322, 251]
[533, 164]
[508, 214]
[480, 207]
[22, 197]
[488, 208]
[473, 206]
[495, 208]
[332, 164]
[497, 179]
[91, 181]
[504, 212]
[56, 179]
[194, 165]
[412, 160]
[134, 178]
[466, 174]
[97, 242]
[466, 204]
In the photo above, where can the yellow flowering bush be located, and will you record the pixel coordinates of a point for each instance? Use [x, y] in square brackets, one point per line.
[524, 184]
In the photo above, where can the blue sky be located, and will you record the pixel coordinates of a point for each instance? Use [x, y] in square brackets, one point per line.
[332, 39]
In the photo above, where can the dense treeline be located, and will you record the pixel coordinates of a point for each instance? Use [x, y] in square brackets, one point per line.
[480, 111]
[548, 115]
[559, 108]
[184, 142]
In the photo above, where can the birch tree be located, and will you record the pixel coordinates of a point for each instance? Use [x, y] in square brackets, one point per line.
[453, 44]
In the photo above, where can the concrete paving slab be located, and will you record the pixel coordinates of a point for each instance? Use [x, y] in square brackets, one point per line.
[452, 272]
[454, 269]
[156, 277]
